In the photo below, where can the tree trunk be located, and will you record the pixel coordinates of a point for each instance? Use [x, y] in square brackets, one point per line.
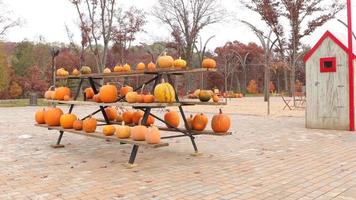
[244, 81]
[285, 77]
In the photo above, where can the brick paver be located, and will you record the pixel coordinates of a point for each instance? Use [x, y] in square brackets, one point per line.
[266, 158]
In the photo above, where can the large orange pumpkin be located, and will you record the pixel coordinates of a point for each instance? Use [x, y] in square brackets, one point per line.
[52, 116]
[60, 92]
[165, 61]
[89, 125]
[127, 117]
[136, 116]
[220, 123]
[125, 90]
[208, 63]
[39, 116]
[78, 125]
[108, 93]
[153, 135]
[89, 93]
[199, 122]
[111, 113]
[109, 130]
[148, 98]
[67, 120]
[172, 118]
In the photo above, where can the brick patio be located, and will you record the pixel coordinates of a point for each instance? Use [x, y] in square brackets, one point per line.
[266, 158]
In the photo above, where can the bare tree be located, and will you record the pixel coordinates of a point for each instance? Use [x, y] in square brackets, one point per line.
[6, 23]
[98, 20]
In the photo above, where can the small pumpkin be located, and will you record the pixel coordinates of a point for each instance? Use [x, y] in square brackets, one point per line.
[150, 120]
[89, 125]
[52, 116]
[96, 98]
[118, 68]
[131, 97]
[199, 122]
[85, 70]
[216, 98]
[208, 63]
[165, 61]
[190, 121]
[153, 135]
[196, 93]
[138, 132]
[75, 72]
[107, 70]
[139, 98]
[67, 120]
[127, 117]
[180, 63]
[108, 93]
[140, 66]
[109, 130]
[123, 131]
[126, 68]
[111, 113]
[148, 98]
[89, 93]
[78, 125]
[60, 92]
[164, 92]
[204, 95]
[172, 118]
[124, 90]
[136, 116]
[151, 66]
[220, 123]
[39, 116]
[49, 93]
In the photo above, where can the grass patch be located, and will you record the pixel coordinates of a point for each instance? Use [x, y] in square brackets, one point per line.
[20, 102]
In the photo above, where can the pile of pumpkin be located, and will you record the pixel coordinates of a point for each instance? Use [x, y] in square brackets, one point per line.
[204, 95]
[54, 116]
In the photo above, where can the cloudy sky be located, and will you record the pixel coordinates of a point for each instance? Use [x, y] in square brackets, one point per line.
[47, 18]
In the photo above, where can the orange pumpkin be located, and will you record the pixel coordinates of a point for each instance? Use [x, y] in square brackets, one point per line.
[165, 61]
[172, 118]
[96, 98]
[127, 117]
[148, 98]
[126, 68]
[78, 125]
[75, 72]
[89, 93]
[123, 131]
[190, 121]
[131, 97]
[108, 93]
[208, 63]
[89, 125]
[136, 116]
[109, 130]
[199, 122]
[67, 120]
[151, 66]
[220, 123]
[119, 117]
[60, 92]
[118, 68]
[49, 93]
[52, 116]
[111, 113]
[66, 98]
[39, 116]
[125, 90]
[138, 133]
[153, 135]
[140, 66]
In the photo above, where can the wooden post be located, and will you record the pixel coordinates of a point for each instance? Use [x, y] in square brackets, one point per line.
[351, 68]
